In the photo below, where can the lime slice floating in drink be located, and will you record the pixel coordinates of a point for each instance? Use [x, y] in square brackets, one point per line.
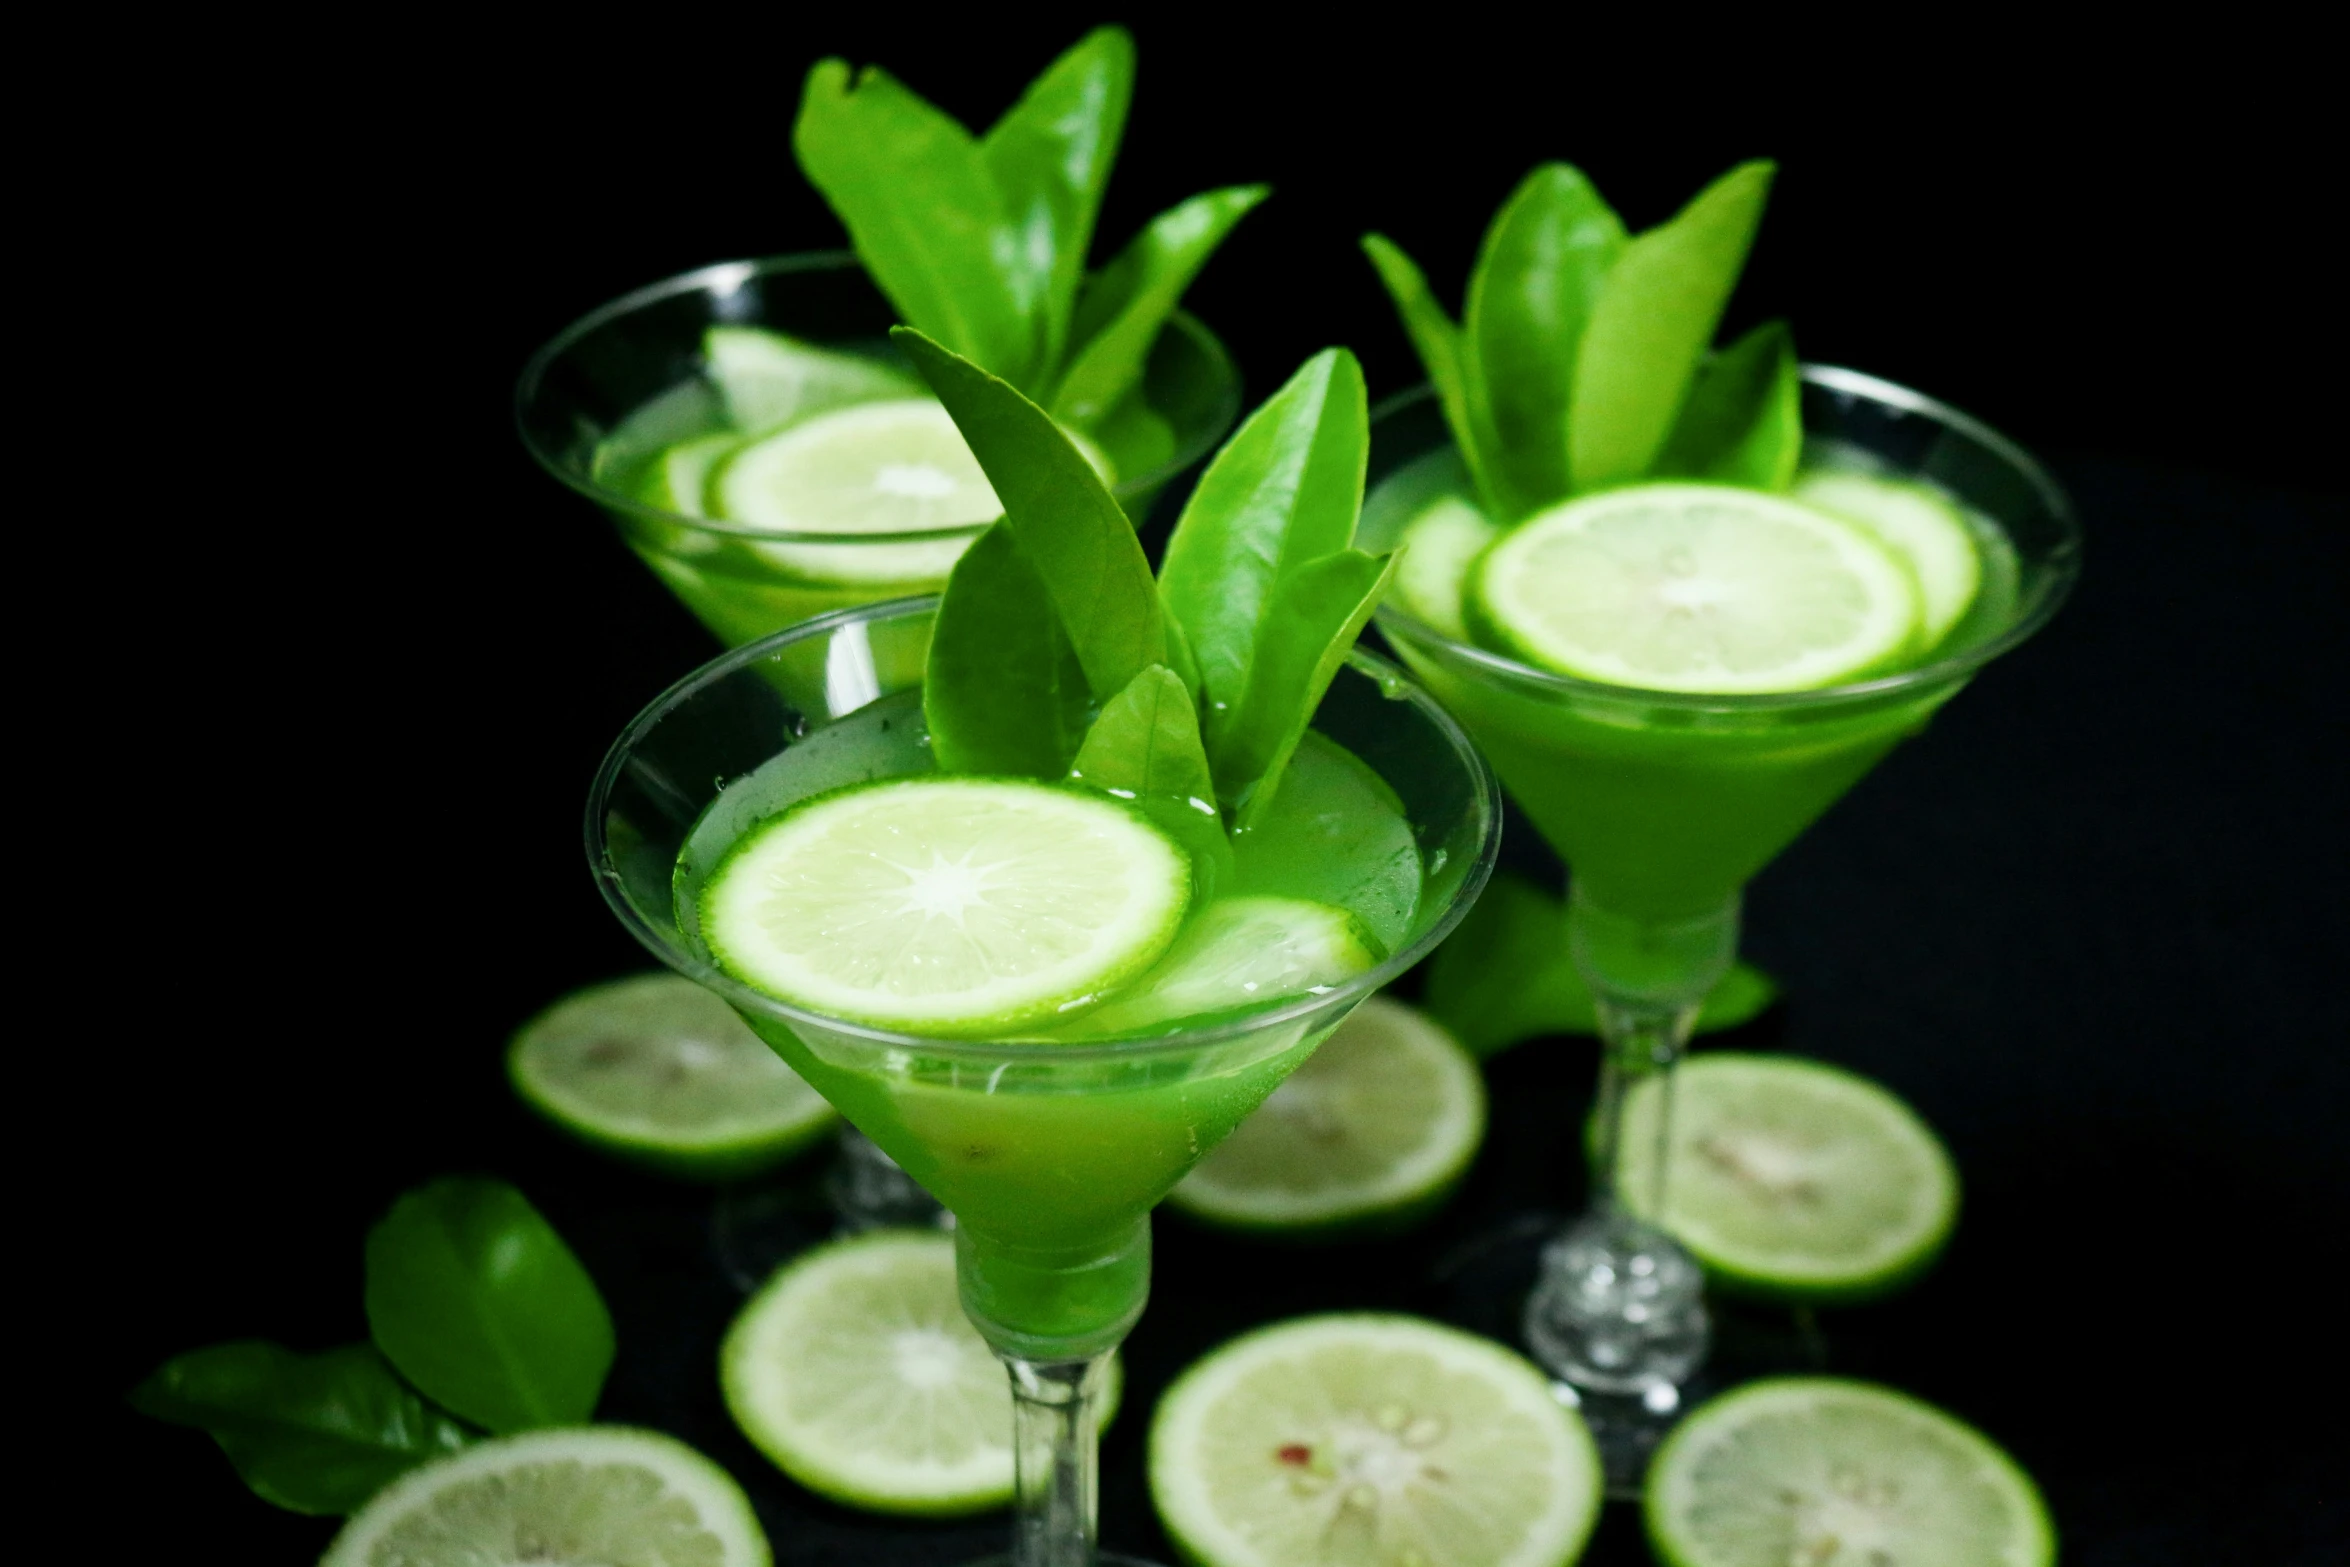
[855, 1370]
[1698, 587]
[1917, 523]
[1815, 1469]
[1350, 1439]
[963, 907]
[679, 479]
[1373, 1132]
[1794, 1179]
[769, 380]
[1240, 952]
[1439, 547]
[658, 1070]
[581, 1494]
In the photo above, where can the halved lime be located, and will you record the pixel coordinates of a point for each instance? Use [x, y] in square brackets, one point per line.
[1348, 1441]
[855, 1370]
[581, 1496]
[1439, 546]
[1374, 1131]
[1817, 1469]
[659, 1070]
[1698, 587]
[950, 906]
[679, 479]
[1792, 1178]
[769, 380]
[1918, 523]
[1239, 952]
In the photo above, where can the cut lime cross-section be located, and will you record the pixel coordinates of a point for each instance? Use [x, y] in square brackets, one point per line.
[1917, 523]
[1698, 587]
[1371, 1441]
[1815, 1469]
[1794, 1179]
[586, 1496]
[659, 1070]
[1372, 1132]
[855, 1370]
[769, 380]
[962, 907]
[1439, 547]
[1239, 953]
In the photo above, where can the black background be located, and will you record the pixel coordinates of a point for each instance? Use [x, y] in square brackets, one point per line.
[351, 682]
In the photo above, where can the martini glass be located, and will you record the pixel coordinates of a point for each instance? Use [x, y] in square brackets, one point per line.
[624, 381]
[1664, 805]
[1051, 1156]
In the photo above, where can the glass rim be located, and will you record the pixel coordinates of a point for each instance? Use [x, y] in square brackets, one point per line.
[672, 952]
[724, 276]
[2065, 570]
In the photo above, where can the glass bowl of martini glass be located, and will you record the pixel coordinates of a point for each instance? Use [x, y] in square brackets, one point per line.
[1051, 1152]
[1664, 803]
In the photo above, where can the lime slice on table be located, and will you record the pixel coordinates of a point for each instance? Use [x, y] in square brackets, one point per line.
[952, 906]
[1372, 1132]
[855, 1370]
[1918, 523]
[1371, 1441]
[1817, 1469]
[896, 467]
[659, 1070]
[1439, 547]
[1698, 587]
[1794, 1179]
[582, 1496]
[1239, 952]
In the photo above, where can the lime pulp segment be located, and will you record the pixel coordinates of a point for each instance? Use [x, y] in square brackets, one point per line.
[569, 1497]
[1239, 952]
[1380, 1122]
[1816, 1469]
[1918, 524]
[657, 1069]
[1792, 1177]
[1698, 587]
[953, 906]
[1349, 1441]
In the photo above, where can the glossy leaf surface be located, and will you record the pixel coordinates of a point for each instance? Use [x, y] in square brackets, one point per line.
[1537, 276]
[478, 1302]
[1126, 303]
[1743, 421]
[1318, 612]
[311, 1433]
[1444, 356]
[1145, 747]
[1004, 691]
[1651, 325]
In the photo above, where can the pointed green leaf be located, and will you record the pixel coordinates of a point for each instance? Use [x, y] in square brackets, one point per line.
[1653, 322]
[1066, 523]
[1146, 742]
[1050, 157]
[1127, 302]
[312, 1433]
[1318, 613]
[1537, 275]
[1285, 490]
[1443, 355]
[1004, 692]
[1743, 422]
[478, 1302]
[914, 191]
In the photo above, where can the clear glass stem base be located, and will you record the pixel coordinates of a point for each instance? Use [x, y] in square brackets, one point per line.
[870, 1192]
[1619, 1308]
[1627, 1428]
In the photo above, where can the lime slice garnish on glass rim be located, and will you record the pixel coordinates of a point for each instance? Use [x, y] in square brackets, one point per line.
[1339, 1440]
[584, 1494]
[1793, 1179]
[1817, 1469]
[1917, 523]
[1372, 1132]
[963, 907]
[855, 1370]
[659, 1070]
[1697, 587]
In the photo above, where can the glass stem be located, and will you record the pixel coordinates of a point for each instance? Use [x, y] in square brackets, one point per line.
[1638, 1040]
[1055, 1410]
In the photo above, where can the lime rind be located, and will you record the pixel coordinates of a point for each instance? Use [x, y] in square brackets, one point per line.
[1823, 1483]
[1698, 588]
[1428, 1439]
[505, 1500]
[1371, 1135]
[802, 1374]
[1817, 1153]
[963, 907]
[656, 1070]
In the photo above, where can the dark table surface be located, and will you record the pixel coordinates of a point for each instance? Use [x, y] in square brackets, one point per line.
[2090, 925]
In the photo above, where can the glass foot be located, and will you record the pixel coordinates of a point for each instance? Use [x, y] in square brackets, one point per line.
[1619, 1308]
[1098, 1559]
[870, 1192]
[1627, 1428]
